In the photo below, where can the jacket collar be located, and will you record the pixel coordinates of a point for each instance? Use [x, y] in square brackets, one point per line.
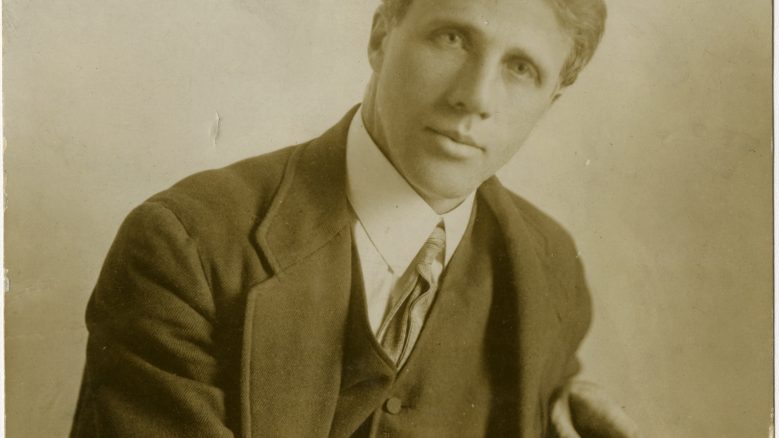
[310, 206]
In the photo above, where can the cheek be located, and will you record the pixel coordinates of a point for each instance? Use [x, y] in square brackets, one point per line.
[428, 72]
[511, 129]
[501, 156]
[400, 85]
[519, 118]
[508, 133]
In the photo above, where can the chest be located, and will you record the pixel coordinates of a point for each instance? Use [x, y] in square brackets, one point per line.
[311, 366]
[458, 380]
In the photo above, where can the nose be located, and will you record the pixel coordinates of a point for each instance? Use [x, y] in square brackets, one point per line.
[473, 89]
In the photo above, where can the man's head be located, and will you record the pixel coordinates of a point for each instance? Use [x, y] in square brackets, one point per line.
[458, 85]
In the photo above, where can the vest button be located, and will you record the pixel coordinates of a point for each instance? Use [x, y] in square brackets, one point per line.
[393, 405]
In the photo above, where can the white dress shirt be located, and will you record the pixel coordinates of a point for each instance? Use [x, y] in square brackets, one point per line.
[392, 220]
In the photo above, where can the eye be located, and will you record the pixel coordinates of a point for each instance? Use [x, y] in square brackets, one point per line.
[523, 69]
[450, 38]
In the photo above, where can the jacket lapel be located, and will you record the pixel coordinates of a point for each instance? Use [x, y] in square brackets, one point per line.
[295, 321]
[538, 321]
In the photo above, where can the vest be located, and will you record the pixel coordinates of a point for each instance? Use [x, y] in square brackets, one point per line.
[459, 379]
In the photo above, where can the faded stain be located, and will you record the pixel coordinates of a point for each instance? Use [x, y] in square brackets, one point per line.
[215, 128]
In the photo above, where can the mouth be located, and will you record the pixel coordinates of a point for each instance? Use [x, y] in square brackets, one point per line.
[457, 137]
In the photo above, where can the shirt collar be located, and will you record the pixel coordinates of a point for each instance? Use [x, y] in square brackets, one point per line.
[396, 219]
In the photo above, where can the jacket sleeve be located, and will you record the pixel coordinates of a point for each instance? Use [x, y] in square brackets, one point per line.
[151, 366]
[579, 316]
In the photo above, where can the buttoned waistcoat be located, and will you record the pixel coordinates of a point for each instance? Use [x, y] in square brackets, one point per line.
[221, 308]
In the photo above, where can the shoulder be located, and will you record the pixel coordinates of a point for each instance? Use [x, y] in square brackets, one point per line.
[212, 216]
[556, 236]
[551, 239]
[527, 227]
[234, 195]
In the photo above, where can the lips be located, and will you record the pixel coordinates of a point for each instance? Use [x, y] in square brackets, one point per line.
[457, 137]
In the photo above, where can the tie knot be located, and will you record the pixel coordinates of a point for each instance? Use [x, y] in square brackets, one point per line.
[431, 250]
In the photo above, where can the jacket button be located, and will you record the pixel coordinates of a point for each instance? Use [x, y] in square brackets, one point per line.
[393, 405]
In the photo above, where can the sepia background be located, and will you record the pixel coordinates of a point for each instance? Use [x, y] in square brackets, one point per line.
[658, 161]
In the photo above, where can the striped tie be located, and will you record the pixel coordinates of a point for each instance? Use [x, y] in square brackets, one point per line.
[414, 294]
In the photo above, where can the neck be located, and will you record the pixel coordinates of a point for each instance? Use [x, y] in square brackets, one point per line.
[370, 117]
[442, 206]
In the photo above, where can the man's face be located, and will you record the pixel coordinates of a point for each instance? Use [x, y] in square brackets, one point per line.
[459, 85]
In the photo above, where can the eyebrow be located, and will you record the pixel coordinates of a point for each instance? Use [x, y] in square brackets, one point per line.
[471, 30]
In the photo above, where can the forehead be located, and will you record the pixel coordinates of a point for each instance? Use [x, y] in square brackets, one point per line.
[528, 25]
[507, 11]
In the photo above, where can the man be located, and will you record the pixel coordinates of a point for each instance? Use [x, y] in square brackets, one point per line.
[376, 281]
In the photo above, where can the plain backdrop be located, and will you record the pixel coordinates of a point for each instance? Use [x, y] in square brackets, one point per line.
[658, 161]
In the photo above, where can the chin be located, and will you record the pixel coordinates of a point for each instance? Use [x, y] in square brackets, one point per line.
[451, 187]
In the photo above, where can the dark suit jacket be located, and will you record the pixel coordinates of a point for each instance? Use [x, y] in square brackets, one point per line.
[221, 306]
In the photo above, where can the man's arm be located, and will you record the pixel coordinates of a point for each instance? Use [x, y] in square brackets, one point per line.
[584, 410]
[151, 364]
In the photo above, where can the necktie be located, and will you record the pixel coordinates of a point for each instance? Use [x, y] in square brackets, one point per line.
[412, 299]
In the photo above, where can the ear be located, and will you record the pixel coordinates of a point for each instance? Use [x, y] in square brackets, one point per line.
[379, 33]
